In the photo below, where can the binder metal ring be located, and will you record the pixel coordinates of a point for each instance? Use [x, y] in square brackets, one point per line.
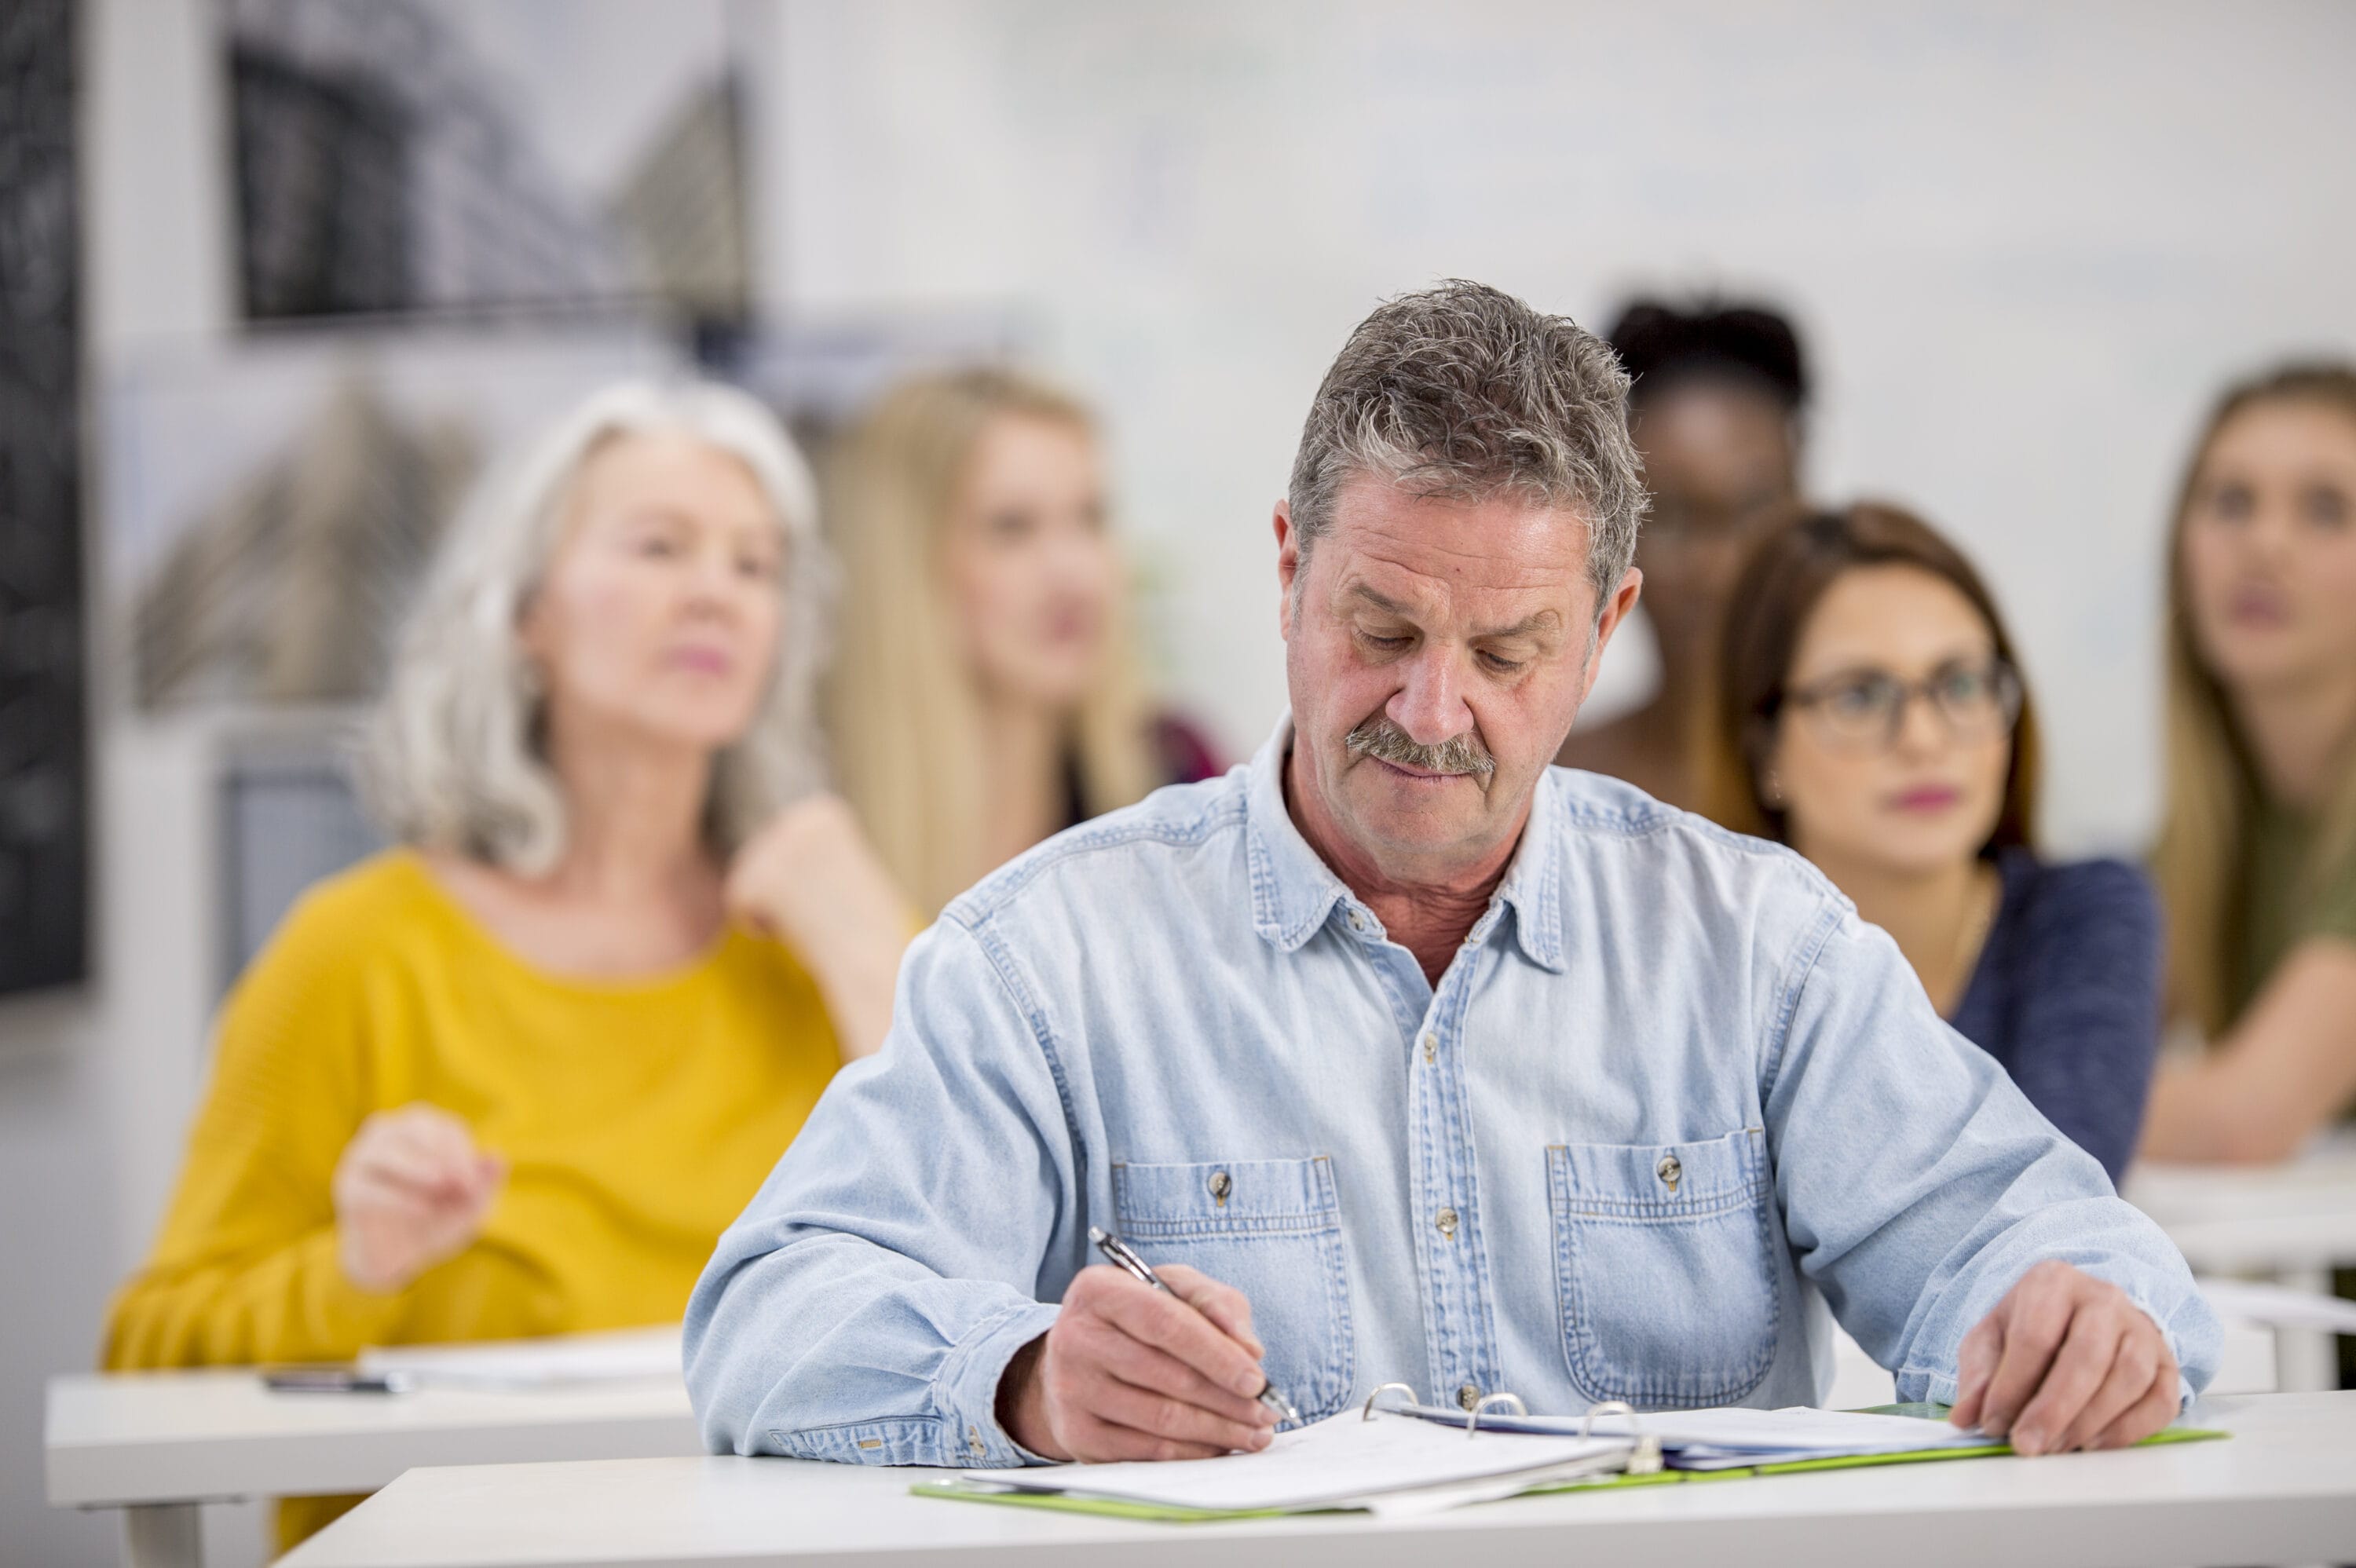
[1367, 1411]
[1609, 1407]
[1473, 1416]
[1644, 1459]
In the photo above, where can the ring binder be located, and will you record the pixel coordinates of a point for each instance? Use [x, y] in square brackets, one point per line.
[1416, 1465]
[1644, 1459]
[1473, 1416]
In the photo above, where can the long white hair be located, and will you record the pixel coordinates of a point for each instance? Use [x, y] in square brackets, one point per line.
[453, 758]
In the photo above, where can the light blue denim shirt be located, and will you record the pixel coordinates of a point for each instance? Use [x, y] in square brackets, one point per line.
[1670, 1101]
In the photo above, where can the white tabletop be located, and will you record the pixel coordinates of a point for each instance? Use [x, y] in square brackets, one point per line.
[124, 1439]
[2284, 1488]
[2298, 1215]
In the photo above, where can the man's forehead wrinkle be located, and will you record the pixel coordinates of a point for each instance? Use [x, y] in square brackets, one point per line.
[1374, 575]
[1534, 551]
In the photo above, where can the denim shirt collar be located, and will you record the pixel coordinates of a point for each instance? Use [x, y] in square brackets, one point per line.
[1295, 892]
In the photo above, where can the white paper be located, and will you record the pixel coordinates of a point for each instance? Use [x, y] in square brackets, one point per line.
[630, 1355]
[1422, 1502]
[1801, 1428]
[1343, 1459]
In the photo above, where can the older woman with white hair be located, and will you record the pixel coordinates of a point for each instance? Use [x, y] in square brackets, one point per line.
[514, 1076]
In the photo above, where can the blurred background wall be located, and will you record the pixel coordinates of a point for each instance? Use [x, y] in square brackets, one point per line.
[2026, 243]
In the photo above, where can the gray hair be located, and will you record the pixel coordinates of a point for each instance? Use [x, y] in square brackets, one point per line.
[453, 757]
[1462, 391]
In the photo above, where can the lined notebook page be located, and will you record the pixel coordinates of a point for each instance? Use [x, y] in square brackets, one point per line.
[1337, 1460]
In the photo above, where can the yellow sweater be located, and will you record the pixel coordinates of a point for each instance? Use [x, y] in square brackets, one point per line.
[637, 1118]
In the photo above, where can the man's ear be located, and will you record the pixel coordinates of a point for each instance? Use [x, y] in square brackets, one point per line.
[1615, 610]
[1288, 568]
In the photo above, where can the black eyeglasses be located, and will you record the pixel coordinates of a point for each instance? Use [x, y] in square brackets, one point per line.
[1866, 710]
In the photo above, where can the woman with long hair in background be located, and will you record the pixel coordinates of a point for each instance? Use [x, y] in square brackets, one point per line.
[1870, 712]
[2256, 860]
[985, 694]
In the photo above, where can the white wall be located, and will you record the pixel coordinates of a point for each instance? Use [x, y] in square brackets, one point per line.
[2026, 243]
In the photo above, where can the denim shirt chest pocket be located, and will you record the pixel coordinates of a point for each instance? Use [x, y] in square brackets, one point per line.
[1272, 1229]
[1663, 1268]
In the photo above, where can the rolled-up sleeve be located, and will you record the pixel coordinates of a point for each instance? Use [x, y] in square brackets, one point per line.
[1918, 1184]
[865, 1305]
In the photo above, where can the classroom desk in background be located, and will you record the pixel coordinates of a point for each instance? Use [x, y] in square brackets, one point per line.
[2282, 1489]
[2291, 1224]
[158, 1444]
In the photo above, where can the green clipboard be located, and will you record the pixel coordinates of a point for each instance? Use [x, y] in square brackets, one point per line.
[1106, 1508]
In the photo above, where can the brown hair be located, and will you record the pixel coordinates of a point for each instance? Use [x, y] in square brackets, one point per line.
[1780, 585]
[2212, 784]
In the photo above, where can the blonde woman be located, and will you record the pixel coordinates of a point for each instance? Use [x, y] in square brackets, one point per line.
[986, 693]
[515, 1076]
[2256, 862]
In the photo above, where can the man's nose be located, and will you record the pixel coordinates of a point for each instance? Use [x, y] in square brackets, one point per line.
[1430, 703]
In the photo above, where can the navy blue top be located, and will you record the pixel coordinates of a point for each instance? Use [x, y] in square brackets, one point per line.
[2067, 997]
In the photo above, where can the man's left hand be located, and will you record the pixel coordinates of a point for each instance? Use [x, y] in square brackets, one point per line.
[2065, 1362]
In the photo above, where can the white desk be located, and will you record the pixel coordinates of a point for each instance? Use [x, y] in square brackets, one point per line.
[158, 1444]
[2283, 1489]
[2292, 1223]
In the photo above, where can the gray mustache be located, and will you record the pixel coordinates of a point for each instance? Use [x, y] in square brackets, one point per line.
[1384, 741]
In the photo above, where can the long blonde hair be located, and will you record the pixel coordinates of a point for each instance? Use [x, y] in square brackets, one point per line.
[902, 711]
[2213, 783]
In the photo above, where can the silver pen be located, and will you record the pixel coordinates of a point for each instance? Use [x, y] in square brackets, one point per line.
[1114, 1248]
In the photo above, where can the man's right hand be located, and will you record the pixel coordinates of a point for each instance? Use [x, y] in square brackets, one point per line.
[410, 1191]
[1129, 1373]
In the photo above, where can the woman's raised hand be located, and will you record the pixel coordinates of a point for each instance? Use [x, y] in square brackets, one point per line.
[411, 1191]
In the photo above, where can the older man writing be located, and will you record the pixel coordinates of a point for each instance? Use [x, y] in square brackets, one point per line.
[1401, 1056]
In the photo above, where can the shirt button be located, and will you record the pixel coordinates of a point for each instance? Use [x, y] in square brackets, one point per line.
[1446, 1221]
[1669, 1170]
[1431, 1048]
[973, 1441]
[1469, 1396]
[1358, 921]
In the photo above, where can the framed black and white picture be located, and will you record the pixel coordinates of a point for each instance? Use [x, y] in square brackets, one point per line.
[399, 156]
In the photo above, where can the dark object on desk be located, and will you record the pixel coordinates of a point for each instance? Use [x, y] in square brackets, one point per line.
[334, 1378]
[2067, 997]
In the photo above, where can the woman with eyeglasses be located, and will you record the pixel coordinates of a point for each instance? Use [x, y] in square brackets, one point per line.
[1870, 713]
